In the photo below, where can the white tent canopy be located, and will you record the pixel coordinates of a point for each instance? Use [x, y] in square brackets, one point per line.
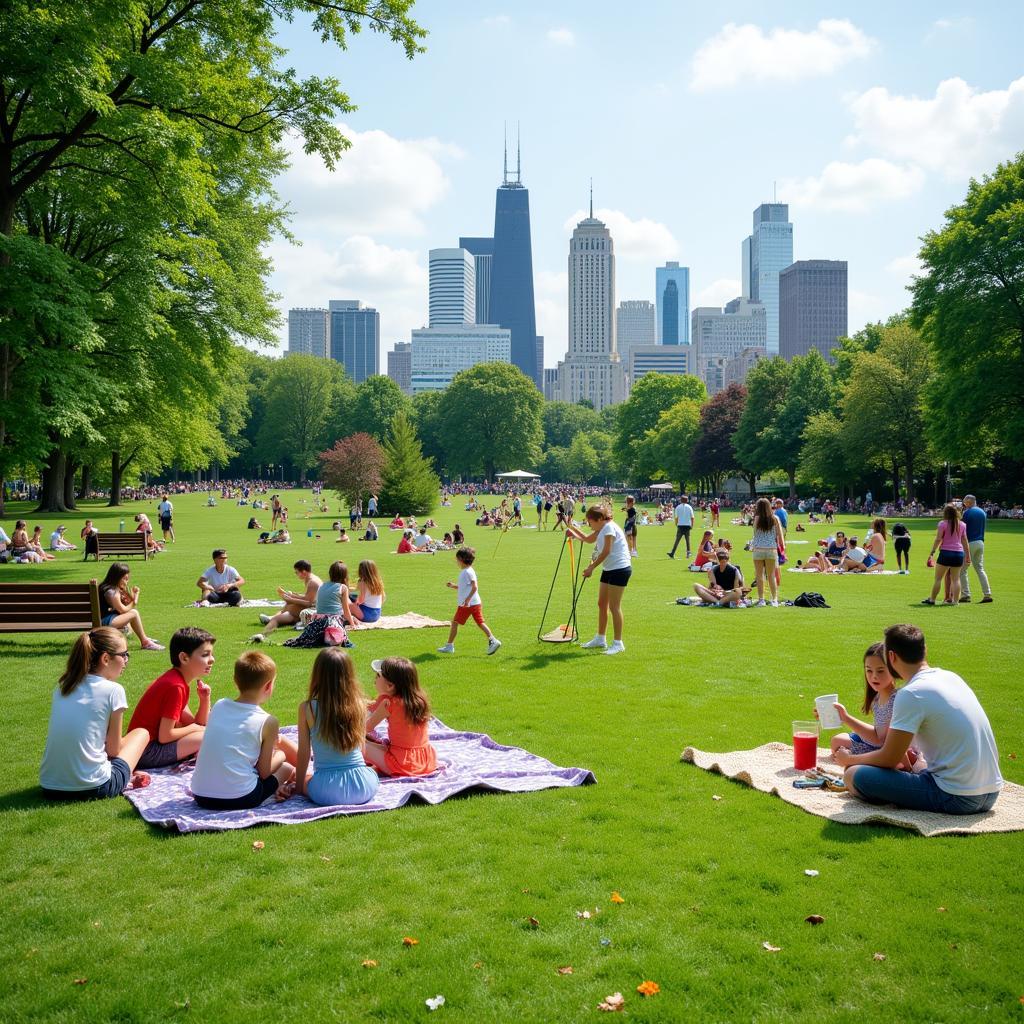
[661, 487]
[518, 474]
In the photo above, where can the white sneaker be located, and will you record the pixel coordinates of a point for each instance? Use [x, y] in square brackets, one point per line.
[446, 649]
[775, 604]
[264, 619]
[598, 642]
[759, 604]
[617, 647]
[493, 644]
[256, 638]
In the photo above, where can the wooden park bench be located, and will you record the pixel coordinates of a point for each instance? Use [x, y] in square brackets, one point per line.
[49, 607]
[121, 544]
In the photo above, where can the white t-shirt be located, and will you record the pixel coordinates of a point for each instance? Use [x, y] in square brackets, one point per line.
[226, 763]
[165, 508]
[217, 579]
[56, 539]
[857, 554]
[466, 580]
[952, 732]
[421, 540]
[684, 514]
[618, 557]
[75, 757]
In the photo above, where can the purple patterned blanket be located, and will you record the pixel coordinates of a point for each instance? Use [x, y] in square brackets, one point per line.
[466, 761]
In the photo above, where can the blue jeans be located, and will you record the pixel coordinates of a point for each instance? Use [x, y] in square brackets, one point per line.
[919, 792]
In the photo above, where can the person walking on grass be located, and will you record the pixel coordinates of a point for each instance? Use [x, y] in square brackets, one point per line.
[470, 602]
[629, 527]
[165, 510]
[612, 553]
[765, 546]
[683, 515]
[954, 555]
[975, 520]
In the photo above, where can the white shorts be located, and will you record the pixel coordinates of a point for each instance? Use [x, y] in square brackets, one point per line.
[764, 554]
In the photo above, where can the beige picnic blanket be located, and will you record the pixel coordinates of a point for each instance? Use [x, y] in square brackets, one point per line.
[410, 620]
[769, 768]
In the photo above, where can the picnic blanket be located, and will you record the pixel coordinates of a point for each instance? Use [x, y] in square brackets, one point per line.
[256, 602]
[879, 572]
[467, 762]
[769, 768]
[408, 620]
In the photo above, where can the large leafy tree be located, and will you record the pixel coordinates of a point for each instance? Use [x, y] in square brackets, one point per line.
[581, 459]
[767, 385]
[378, 400]
[353, 467]
[668, 448]
[492, 418]
[713, 453]
[409, 485]
[564, 420]
[426, 418]
[826, 456]
[969, 304]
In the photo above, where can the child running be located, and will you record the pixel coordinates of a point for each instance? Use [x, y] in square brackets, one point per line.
[611, 552]
[332, 727]
[370, 596]
[86, 757]
[470, 602]
[400, 700]
[240, 764]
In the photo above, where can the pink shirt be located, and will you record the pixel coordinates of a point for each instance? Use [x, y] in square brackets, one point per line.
[950, 541]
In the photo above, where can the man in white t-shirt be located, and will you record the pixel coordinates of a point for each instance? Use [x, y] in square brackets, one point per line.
[941, 714]
[683, 514]
[165, 510]
[220, 583]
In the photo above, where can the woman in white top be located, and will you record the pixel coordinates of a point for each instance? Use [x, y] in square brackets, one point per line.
[86, 758]
[765, 547]
[611, 552]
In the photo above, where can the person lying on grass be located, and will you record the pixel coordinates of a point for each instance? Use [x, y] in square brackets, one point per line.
[952, 732]
[86, 757]
[175, 733]
[241, 763]
[725, 583]
[402, 702]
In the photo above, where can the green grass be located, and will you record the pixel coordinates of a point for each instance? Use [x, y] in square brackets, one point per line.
[156, 921]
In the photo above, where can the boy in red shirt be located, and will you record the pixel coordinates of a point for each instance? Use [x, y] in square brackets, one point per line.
[175, 734]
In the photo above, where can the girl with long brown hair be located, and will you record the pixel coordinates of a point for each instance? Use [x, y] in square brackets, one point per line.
[954, 554]
[765, 546]
[86, 757]
[403, 704]
[370, 598]
[119, 605]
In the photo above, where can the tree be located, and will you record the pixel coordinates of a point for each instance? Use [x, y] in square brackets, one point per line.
[826, 457]
[969, 305]
[409, 486]
[767, 384]
[564, 420]
[669, 447]
[713, 453]
[581, 459]
[492, 416]
[652, 395]
[353, 467]
[378, 400]
[426, 418]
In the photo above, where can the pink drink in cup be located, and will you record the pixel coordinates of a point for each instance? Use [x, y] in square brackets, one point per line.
[805, 745]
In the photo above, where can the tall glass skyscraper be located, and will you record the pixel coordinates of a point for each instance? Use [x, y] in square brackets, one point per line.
[483, 259]
[672, 295]
[355, 338]
[771, 251]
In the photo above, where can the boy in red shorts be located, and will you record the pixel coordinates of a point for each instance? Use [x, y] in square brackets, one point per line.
[470, 605]
[175, 734]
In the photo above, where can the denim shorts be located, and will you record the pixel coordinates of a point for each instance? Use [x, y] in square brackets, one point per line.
[108, 619]
[951, 558]
[369, 614]
[120, 776]
[159, 755]
[920, 792]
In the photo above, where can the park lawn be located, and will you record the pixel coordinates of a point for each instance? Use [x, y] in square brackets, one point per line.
[162, 926]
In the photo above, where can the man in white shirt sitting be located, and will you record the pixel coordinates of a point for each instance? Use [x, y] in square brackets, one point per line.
[423, 541]
[941, 714]
[853, 561]
[683, 515]
[220, 583]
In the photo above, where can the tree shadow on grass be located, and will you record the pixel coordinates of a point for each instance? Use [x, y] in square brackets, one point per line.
[15, 649]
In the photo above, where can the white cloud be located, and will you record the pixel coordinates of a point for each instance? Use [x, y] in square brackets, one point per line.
[718, 293]
[945, 27]
[865, 308]
[381, 184]
[551, 298]
[853, 187]
[562, 36]
[497, 21]
[642, 240]
[960, 131]
[905, 267]
[741, 52]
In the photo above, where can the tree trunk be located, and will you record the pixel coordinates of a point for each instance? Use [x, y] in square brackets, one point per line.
[895, 480]
[3, 496]
[791, 473]
[116, 471]
[86, 485]
[70, 468]
[51, 497]
[909, 456]
[751, 479]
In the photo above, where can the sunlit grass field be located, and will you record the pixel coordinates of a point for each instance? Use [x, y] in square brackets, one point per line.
[108, 919]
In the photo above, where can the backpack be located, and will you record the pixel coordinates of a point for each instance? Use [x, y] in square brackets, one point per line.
[810, 599]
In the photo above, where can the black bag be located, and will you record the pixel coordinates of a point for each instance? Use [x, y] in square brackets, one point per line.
[810, 599]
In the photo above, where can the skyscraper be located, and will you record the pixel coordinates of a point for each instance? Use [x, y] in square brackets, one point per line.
[452, 287]
[439, 353]
[355, 338]
[719, 335]
[771, 251]
[592, 369]
[672, 296]
[512, 303]
[400, 365]
[483, 259]
[307, 332]
[635, 324]
[812, 307]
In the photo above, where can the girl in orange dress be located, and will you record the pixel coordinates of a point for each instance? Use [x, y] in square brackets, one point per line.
[400, 700]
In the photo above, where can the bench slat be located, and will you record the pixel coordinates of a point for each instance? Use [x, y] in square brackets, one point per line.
[49, 607]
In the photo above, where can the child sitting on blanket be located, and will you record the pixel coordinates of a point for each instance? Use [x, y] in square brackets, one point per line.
[370, 597]
[400, 700]
[175, 734]
[240, 763]
[705, 550]
[332, 727]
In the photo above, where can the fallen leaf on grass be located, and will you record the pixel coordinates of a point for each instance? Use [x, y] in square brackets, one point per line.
[410, 941]
[811, 873]
[477, 966]
[80, 981]
[369, 963]
[878, 956]
[586, 915]
[258, 845]
[326, 860]
[186, 1005]
[814, 919]
[770, 947]
[567, 969]
[942, 910]
[433, 1004]
[616, 898]
[533, 922]
[613, 1003]
[1013, 757]
[648, 988]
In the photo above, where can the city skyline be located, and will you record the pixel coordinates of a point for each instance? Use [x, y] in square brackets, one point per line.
[867, 126]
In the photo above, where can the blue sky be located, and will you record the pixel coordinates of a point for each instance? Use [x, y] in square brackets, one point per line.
[869, 119]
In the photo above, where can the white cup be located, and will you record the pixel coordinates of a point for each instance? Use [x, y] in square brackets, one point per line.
[827, 714]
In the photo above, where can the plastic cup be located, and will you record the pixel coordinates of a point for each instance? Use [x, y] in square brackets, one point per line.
[827, 714]
[805, 745]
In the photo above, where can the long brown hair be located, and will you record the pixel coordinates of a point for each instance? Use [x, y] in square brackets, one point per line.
[878, 525]
[874, 651]
[340, 715]
[85, 655]
[115, 577]
[763, 517]
[338, 572]
[401, 674]
[951, 517]
[369, 575]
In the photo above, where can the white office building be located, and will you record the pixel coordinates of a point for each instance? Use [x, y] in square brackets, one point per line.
[720, 334]
[439, 353]
[452, 287]
[771, 251]
[635, 324]
[308, 332]
[673, 359]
